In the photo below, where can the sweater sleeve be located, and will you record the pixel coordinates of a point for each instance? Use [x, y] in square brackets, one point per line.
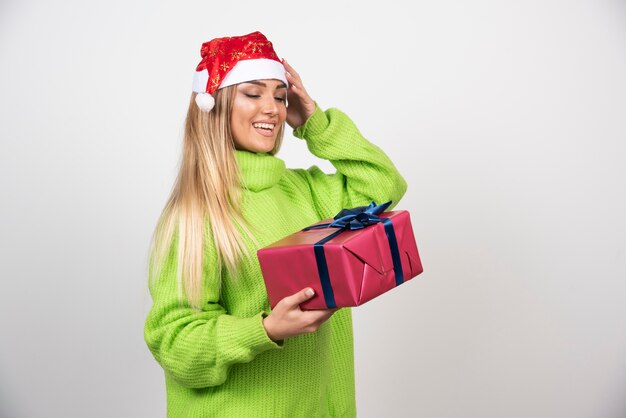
[364, 173]
[198, 347]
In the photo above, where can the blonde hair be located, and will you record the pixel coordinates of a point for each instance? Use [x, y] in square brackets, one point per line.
[206, 194]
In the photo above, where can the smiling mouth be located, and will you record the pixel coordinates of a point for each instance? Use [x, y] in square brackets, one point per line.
[269, 127]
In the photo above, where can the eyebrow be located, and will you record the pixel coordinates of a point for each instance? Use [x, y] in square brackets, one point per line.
[260, 83]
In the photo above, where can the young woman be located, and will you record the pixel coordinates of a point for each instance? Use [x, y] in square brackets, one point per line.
[224, 353]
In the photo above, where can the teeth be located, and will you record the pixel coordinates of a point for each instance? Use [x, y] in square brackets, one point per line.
[269, 126]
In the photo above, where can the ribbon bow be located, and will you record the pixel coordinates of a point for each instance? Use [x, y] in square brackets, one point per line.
[360, 217]
[356, 218]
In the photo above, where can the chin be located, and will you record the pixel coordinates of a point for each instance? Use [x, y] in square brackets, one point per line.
[266, 147]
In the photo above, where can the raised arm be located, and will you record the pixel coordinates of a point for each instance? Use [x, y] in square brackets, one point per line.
[364, 173]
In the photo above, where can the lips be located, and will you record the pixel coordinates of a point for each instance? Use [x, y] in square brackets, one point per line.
[264, 128]
[267, 126]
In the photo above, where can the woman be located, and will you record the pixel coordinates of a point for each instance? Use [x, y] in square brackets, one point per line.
[223, 351]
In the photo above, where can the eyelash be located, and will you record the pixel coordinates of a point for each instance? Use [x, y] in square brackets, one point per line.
[256, 96]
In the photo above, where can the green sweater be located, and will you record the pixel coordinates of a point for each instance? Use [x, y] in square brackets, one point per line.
[219, 361]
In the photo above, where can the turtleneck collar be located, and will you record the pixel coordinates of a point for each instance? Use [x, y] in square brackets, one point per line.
[259, 171]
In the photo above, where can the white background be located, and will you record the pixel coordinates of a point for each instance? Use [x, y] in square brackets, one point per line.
[507, 118]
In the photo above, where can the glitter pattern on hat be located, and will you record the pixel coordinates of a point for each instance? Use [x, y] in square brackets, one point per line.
[221, 56]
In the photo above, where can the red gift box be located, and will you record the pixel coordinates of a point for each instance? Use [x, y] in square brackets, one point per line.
[345, 267]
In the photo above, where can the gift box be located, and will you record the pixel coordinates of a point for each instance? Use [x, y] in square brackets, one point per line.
[358, 255]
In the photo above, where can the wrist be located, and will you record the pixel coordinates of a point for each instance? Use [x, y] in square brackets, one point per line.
[267, 325]
[315, 123]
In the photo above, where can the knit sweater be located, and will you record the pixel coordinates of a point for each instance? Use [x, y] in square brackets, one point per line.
[219, 361]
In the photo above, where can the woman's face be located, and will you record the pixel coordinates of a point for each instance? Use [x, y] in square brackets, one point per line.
[258, 112]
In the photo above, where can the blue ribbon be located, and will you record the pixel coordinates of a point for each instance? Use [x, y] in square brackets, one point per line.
[352, 219]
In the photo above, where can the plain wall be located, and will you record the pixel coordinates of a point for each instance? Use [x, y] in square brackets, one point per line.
[507, 118]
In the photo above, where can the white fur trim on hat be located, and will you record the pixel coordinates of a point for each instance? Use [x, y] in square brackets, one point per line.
[244, 70]
[200, 80]
[254, 69]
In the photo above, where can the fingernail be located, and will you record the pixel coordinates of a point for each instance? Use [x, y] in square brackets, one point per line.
[310, 292]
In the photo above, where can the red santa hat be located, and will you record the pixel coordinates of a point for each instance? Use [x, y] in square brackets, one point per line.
[233, 60]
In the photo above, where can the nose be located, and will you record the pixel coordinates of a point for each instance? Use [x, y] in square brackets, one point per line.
[270, 107]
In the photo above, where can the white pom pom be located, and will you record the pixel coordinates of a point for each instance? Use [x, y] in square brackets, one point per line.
[205, 101]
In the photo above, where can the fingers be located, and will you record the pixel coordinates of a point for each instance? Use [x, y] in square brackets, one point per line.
[316, 318]
[320, 315]
[288, 320]
[300, 105]
[295, 82]
[300, 297]
[292, 82]
[290, 70]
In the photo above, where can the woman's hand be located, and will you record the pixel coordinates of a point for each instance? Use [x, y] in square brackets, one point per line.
[299, 104]
[288, 320]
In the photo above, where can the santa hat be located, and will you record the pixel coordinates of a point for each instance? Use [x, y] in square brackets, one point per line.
[233, 60]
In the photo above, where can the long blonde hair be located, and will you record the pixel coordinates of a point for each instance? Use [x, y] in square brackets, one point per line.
[206, 194]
